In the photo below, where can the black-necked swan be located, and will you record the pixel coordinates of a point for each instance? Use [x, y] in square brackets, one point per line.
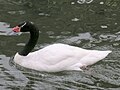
[55, 57]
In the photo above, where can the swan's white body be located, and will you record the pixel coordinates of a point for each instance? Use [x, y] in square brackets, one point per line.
[60, 57]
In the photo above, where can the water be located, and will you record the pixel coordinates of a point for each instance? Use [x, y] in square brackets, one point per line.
[92, 25]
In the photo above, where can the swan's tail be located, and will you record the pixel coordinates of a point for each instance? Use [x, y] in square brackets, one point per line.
[93, 57]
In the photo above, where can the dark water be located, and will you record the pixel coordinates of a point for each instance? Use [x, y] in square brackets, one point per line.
[94, 25]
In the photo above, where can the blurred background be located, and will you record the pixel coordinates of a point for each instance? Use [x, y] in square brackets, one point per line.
[89, 24]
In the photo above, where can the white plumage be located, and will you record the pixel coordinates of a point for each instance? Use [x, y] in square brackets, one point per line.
[60, 57]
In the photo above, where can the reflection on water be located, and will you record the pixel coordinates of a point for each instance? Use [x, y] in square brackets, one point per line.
[92, 26]
[84, 1]
[6, 30]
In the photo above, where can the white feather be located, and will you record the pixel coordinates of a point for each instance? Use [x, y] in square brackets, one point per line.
[60, 57]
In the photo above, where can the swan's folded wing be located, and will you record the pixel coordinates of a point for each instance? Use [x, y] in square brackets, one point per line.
[57, 53]
[93, 57]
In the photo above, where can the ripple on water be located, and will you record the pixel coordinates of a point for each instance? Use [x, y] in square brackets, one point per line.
[78, 38]
[10, 77]
[20, 12]
[4, 28]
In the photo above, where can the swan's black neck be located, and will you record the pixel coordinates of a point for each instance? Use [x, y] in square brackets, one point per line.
[34, 34]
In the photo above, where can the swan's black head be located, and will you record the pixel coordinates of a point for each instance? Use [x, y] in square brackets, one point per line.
[34, 34]
[24, 27]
